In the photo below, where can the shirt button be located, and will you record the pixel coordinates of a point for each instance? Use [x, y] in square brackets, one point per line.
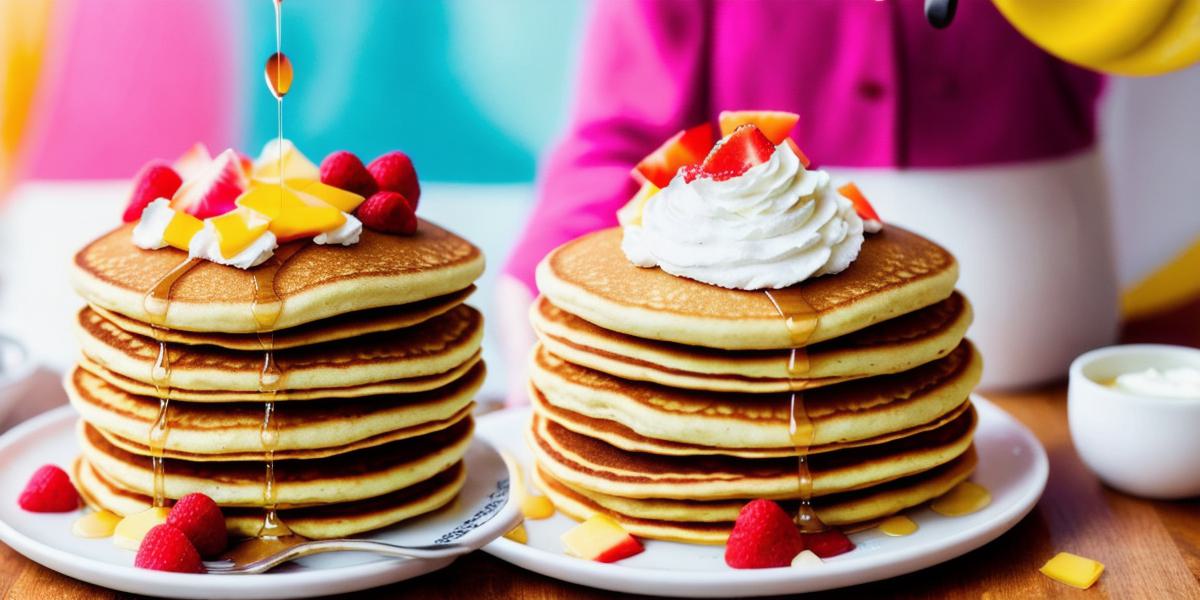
[869, 89]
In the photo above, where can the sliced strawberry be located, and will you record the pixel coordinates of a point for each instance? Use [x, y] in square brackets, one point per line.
[737, 153]
[49, 490]
[763, 536]
[830, 542]
[213, 192]
[861, 206]
[799, 153]
[166, 548]
[200, 519]
[775, 124]
[394, 172]
[687, 147]
[344, 170]
[193, 162]
[388, 212]
[155, 180]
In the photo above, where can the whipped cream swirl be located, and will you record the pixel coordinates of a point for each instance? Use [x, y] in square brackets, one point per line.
[775, 225]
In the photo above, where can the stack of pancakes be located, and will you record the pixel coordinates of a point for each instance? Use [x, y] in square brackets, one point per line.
[373, 361]
[667, 403]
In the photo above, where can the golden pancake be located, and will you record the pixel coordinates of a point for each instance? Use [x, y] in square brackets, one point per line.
[363, 322]
[590, 464]
[317, 522]
[697, 522]
[625, 438]
[896, 272]
[888, 347]
[395, 386]
[435, 346]
[233, 431]
[316, 282]
[855, 410]
[342, 478]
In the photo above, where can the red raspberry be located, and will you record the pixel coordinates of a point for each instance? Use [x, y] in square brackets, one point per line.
[394, 172]
[200, 519]
[166, 548]
[49, 490]
[388, 212]
[344, 170]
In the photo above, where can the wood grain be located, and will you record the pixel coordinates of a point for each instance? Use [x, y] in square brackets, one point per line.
[1150, 549]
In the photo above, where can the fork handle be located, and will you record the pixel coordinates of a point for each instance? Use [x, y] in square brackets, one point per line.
[380, 548]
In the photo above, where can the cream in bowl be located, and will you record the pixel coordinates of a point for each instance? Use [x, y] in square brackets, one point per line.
[1134, 414]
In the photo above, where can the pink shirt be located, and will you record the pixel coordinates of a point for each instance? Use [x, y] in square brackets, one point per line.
[874, 83]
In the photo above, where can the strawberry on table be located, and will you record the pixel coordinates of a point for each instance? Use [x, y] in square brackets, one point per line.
[763, 536]
[49, 490]
[155, 180]
[200, 519]
[388, 212]
[775, 124]
[344, 170]
[687, 147]
[394, 172]
[166, 548]
[736, 154]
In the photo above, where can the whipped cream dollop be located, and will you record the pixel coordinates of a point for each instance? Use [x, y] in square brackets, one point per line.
[205, 244]
[775, 225]
[346, 234]
[1181, 383]
[150, 231]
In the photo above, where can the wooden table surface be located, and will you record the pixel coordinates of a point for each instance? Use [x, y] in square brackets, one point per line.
[1149, 549]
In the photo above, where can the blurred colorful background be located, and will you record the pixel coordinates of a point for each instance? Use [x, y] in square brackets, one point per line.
[474, 90]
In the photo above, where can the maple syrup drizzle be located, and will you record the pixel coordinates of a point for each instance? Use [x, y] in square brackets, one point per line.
[156, 302]
[898, 526]
[800, 320]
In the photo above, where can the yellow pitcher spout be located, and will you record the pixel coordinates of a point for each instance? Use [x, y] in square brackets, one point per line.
[1122, 37]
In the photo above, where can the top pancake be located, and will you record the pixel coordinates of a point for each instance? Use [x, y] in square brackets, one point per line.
[315, 283]
[896, 272]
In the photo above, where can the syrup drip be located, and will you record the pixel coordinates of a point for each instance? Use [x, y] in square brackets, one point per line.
[156, 302]
[801, 320]
[898, 526]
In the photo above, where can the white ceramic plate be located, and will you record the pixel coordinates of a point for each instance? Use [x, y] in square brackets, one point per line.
[1012, 466]
[481, 513]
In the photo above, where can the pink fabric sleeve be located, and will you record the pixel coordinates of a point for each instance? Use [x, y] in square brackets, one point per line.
[642, 78]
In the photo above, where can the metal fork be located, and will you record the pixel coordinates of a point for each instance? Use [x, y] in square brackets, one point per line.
[228, 567]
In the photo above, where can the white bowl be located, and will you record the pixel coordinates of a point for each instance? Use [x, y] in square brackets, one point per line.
[1143, 445]
[15, 369]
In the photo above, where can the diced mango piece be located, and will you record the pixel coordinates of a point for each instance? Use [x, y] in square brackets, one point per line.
[338, 198]
[293, 216]
[181, 229]
[631, 213]
[129, 532]
[237, 229]
[1073, 570]
[295, 165]
[518, 534]
[602, 539]
[99, 524]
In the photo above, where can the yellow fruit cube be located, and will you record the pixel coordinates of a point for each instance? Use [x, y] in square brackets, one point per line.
[181, 229]
[295, 165]
[1073, 570]
[631, 213]
[600, 538]
[338, 198]
[237, 229]
[129, 532]
[293, 216]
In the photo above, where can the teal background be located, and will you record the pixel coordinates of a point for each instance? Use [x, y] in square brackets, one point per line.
[472, 90]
